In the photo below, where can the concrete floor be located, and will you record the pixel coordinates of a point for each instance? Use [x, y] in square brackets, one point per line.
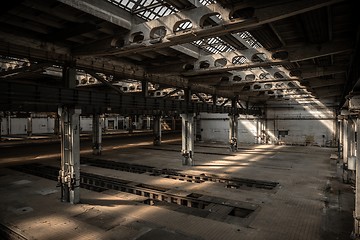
[309, 203]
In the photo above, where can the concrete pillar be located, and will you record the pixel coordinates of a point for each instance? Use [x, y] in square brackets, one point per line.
[69, 174]
[214, 100]
[339, 137]
[233, 131]
[9, 124]
[345, 141]
[69, 75]
[157, 130]
[357, 187]
[96, 134]
[29, 126]
[351, 137]
[173, 123]
[258, 131]
[148, 123]
[130, 124]
[197, 129]
[187, 137]
[56, 125]
[145, 88]
[116, 124]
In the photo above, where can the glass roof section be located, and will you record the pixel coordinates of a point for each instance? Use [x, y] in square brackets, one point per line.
[145, 9]
[153, 9]
[150, 9]
[249, 39]
[207, 2]
[213, 45]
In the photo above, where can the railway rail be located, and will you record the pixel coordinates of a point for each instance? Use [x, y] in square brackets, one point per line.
[204, 206]
[237, 183]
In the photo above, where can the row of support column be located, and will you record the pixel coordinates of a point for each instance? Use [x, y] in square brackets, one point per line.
[69, 175]
[349, 150]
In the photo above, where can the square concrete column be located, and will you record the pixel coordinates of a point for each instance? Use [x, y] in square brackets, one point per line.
[188, 138]
[357, 186]
[97, 134]
[157, 130]
[345, 141]
[258, 131]
[351, 137]
[339, 136]
[29, 126]
[148, 123]
[173, 123]
[233, 131]
[56, 125]
[8, 124]
[69, 174]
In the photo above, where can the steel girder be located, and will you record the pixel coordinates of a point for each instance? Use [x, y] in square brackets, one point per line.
[31, 97]
[163, 32]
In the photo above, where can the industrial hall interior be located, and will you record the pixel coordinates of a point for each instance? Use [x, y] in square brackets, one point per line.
[179, 119]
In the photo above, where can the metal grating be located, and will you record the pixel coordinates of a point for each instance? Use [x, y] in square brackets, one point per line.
[213, 45]
[249, 39]
[207, 2]
[145, 9]
[150, 9]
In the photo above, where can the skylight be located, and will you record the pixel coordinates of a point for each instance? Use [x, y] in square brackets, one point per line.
[213, 45]
[207, 2]
[249, 39]
[145, 9]
[150, 9]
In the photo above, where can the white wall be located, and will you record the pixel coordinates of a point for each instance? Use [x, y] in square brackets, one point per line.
[215, 127]
[86, 124]
[18, 125]
[43, 125]
[305, 126]
[4, 125]
[247, 130]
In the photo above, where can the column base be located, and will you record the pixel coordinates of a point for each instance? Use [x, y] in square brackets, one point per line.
[96, 152]
[187, 159]
[233, 145]
[355, 234]
[157, 141]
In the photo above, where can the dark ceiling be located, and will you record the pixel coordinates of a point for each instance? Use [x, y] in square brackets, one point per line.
[267, 51]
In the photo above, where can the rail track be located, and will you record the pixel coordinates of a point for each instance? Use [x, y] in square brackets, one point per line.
[201, 205]
[237, 183]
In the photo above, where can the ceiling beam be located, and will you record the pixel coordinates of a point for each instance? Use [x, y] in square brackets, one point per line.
[316, 83]
[75, 29]
[263, 14]
[103, 10]
[321, 71]
[231, 59]
[32, 97]
[31, 68]
[23, 47]
[104, 81]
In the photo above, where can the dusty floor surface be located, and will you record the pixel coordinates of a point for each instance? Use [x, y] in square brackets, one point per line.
[310, 202]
